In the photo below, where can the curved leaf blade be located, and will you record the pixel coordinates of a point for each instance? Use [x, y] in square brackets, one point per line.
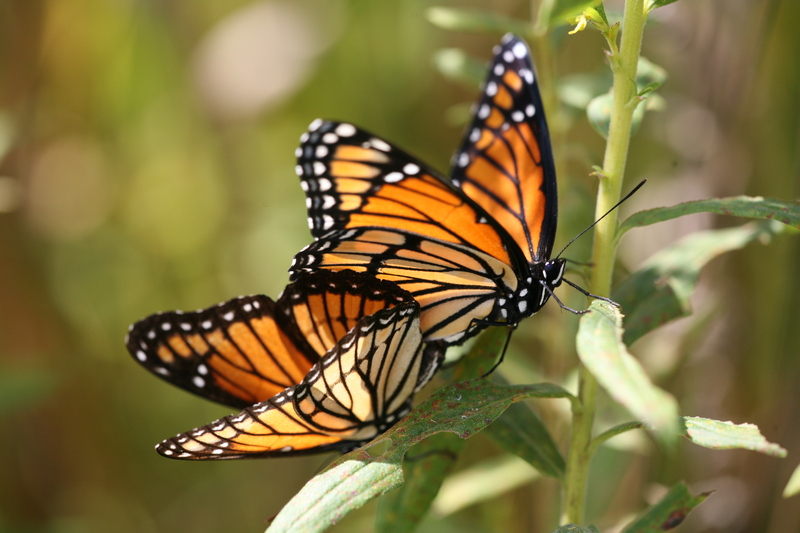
[464, 408]
[719, 435]
[345, 486]
[739, 206]
[424, 470]
[600, 348]
[661, 290]
[793, 486]
[668, 513]
[521, 432]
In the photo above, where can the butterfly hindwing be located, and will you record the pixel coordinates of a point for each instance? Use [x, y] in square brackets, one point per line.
[354, 393]
[505, 163]
[453, 284]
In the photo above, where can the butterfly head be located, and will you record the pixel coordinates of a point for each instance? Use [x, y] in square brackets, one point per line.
[547, 276]
[553, 272]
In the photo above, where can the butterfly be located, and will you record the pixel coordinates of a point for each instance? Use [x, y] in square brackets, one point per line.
[473, 250]
[331, 364]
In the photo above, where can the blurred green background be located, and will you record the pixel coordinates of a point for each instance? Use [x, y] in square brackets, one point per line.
[147, 164]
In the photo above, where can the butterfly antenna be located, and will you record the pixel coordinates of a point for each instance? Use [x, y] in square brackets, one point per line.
[602, 217]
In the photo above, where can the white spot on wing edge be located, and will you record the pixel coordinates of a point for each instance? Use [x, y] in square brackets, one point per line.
[345, 130]
[380, 145]
[411, 169]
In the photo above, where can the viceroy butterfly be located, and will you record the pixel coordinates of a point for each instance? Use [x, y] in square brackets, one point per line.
[473, 250]
[329, 366]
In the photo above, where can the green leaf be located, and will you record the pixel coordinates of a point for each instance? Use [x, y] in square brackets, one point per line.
[346, 485]
[601, 10]
[424, 470]
[738, 206]
[600, 348]
[648, 73]
[464, 408]
[475, 20]
[719, 435]
[649, 77]
[566, 10]
[521, 432]
[572, 528]
[577, 90]
[659, 3]
[668, 513]
[455, 64]
[660, 291]
[429, 461]
[483, 355]
[484, 481]
[793, 486]
[649, 88]
[599, 114]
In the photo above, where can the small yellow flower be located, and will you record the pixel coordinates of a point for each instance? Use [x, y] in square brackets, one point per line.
[580, 24]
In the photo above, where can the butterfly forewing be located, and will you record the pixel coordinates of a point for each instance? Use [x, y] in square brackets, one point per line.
[505, 164]
[359, 389]
[373, 208]
[354, 179]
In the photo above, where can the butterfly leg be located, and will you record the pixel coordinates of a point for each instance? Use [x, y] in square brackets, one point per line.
[587, 293]
[502, 354]
[560, 303]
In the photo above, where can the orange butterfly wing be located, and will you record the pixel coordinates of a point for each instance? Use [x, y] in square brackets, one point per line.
[250, 348]
[373, 208]
[358, 390]
[236, 353]
[505, 163]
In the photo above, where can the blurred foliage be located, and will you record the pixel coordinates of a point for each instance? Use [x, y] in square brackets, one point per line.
[148, 165]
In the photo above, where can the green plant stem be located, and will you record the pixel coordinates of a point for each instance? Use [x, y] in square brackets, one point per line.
[623, 65]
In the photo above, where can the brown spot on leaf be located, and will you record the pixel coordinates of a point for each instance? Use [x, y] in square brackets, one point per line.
[674, 519]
